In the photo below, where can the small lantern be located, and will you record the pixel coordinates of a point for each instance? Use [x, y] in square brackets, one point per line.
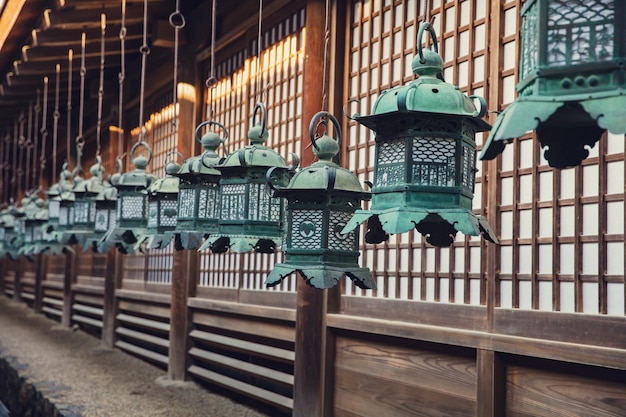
[162, 210]
[425, 158]
[14, 231]
[132, 201]
[571, 79]
[106, 213]
[54, 201]
[8, 233]
[199, 190]
[249, 218]
[320, 201]
[35, 215]
[84, 213]
[66, 211]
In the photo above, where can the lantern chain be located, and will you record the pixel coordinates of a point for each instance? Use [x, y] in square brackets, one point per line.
[326, 56]
[29, 146]
[14, 163]
[120, 78]
[69, 103]
[258, 50]
[21, 141]
[211, 82]
[36, 137]
[101, 84]
[44, 131]
[144, 50]
[177, 20]
[80, 140]
[55, 116]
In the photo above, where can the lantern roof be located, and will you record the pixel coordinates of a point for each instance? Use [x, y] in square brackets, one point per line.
[325, 174]
[137, 178]
[92, 185]
[167, 184]
[256, 154]
[428, 96]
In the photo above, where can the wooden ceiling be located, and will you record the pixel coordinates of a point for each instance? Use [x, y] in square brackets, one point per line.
[43, 33]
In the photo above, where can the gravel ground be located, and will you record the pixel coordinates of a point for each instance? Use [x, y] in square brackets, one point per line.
[96, 382]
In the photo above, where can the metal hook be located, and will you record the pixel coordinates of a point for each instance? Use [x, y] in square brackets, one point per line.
[426, 26]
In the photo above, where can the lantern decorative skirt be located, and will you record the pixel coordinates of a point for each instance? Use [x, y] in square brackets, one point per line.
[132, 202]
[199, 191]
[249, 218]
[572, 85]
[320, 201]
[425, 158]
[162, 211]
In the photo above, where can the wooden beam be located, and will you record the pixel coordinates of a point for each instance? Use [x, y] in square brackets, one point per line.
[68, 278]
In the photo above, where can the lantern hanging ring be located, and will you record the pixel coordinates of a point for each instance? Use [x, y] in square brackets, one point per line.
[211, 82]
[137, 145]
[172, 152]
[177, 20]
[346, 110]
[261, 107]
[314, 126]
[431, 30]
[209, 123]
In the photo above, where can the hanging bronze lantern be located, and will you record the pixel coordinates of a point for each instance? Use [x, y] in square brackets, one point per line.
[249, 218]
[320, 201]
[425, 157]
[132, 201]
[11, 240]
[162, 210]
[35, 216]
[571, 79]
[106, 213]
[84, 213]
[199, 190]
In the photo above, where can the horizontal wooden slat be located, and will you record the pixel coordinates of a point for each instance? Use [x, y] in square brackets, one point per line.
[141, 308]
[157, 357]
[88, 309]
[275, 313]
[81, 298]
[250, 368]
[133, 334]
[146, 323]
[27, 295]
[242, 387]
[52, 311]
[53, 301]
[248, 325]
[88, 289]
[143, 296]
[245, 346]
[87, 320]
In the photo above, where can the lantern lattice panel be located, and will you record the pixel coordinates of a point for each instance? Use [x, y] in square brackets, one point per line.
[309, 233]
[434, 161]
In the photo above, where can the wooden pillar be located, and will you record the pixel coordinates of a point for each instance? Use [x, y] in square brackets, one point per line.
[184, 263]
[3, 272]
[19, 271]
[112, 270]
[68, 279]
[310, 376]
[41, 262]
[491, 384]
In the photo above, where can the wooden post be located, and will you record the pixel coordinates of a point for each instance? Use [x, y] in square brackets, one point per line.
[68, 279]
[310, 376]
[184, 262]
[3, 273]
[491, 384]
[40, 271]
[112, 270]
[19, 271]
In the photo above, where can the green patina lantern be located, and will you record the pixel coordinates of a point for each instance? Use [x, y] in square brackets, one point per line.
[162, 210]
[250, 219]
[10, 240]
[16, 230]
[199, 190]
[65, 197]
[132, 201]
[84, 212]
[571, 79]
[320, 201]
[35, 217]
[106, 213]
[425, 164]
[54, 200]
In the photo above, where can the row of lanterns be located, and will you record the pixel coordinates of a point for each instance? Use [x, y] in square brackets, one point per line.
[424, 169]
[252, 200]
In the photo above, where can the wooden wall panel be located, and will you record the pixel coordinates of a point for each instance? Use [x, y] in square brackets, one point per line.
[545, 393]
[376, 378]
